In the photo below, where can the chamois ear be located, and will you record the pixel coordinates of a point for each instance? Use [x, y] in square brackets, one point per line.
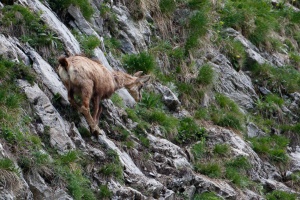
[144, 79]
[138, 74]
[63, 62]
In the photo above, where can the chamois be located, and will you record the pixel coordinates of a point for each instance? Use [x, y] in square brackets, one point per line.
[90, 80]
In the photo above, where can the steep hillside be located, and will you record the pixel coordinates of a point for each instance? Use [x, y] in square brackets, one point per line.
[218, 120]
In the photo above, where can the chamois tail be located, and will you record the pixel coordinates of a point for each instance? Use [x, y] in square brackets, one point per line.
[63, 62]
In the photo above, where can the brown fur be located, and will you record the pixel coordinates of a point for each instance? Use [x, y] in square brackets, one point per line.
[92, 81]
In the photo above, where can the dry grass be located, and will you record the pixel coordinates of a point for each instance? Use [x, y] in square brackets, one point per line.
[9, 180]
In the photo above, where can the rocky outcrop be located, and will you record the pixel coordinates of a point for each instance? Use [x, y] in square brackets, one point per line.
[236, 85]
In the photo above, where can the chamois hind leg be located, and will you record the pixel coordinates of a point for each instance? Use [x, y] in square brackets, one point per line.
[99, 112]
[96, 101]
[72, 100]
[86, 94]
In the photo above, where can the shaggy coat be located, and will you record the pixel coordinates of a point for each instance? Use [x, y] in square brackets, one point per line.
[90, 80]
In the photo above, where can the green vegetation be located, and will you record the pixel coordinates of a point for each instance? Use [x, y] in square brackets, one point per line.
[207, 196]
[272, 147]
[112, 167]
[84, 5]
[167, 6]
[235, 51]
[8, 165]
[189, 131]
[212, 170]
[206, 75]
[140, 62]
[88, 44]
[277, 195]
[198, 149]
[104, 192]
[221, 149]
[20, 22]
[283, 80]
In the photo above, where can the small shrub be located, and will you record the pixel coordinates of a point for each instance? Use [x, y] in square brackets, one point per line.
[221, 149]
[140, 62]
[206, 75]
[212, 170]
[104, 192]
[278, 195]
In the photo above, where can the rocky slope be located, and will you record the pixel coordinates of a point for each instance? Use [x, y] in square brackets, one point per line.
[142, 155]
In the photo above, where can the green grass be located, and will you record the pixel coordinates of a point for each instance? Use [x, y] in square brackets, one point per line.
[139, 62]
[189, 131]
[272, 147]
[198, 28]
[206, 75]
[236, 53]
[206, 196]
[167, 6]
[104, 192]
[198, 149]
[88, 44]
[8, 165]
[237, 178]
[277, 79]
[278, 195]
[212, 170]
[84, 6]
[221, 149]
[22, 23]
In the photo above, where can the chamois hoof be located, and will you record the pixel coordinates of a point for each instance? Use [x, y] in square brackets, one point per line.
[96, 132]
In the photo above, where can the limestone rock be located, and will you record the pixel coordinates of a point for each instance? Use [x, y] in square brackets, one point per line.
[236, 85]
[49, 116]
[169, 98]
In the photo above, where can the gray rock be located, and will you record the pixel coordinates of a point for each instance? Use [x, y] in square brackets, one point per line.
[9, 50]
[49, 116]
[236, 85]
[132, 30]
[169, 98]
[254, 131]
[47, 74]
[81, 22]
[42, 191]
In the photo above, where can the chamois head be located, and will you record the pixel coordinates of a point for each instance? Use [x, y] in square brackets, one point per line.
[135, 88]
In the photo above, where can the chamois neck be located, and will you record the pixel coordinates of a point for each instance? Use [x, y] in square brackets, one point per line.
[122, 79]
